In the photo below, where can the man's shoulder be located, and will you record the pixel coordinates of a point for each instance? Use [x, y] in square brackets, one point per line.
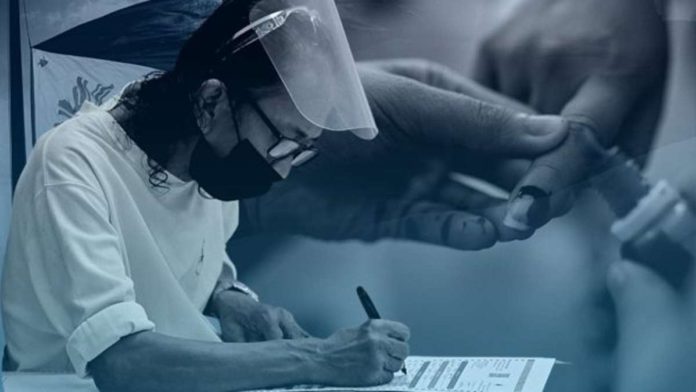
[73, 148]
[87, 124]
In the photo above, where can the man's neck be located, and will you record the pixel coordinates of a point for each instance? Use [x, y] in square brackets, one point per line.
[178, 164]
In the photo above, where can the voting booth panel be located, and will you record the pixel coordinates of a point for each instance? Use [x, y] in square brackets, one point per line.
[5, 150]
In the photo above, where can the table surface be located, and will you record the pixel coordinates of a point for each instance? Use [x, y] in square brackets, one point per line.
[41, 382]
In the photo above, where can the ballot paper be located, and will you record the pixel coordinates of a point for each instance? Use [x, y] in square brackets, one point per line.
[459, 374]
[425, 374]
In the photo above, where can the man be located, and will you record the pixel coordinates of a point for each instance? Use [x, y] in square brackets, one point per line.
[117, 245]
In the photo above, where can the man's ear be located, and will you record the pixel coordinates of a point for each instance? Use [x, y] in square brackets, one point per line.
[214, 115]
[207, 102]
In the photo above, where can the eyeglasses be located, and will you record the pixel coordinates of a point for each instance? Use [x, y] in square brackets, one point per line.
[251, 34]
[301, 156]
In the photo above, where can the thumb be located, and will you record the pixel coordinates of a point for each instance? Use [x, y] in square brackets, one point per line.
[420, 113]
[595, 115]
[547, 189]
[642, 299]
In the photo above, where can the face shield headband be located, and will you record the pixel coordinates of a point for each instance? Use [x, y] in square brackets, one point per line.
[307, 46]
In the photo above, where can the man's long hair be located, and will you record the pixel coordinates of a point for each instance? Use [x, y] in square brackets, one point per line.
[161, 104]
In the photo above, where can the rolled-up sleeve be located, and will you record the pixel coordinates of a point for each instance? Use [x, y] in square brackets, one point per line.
[82, 279]
[102, 330]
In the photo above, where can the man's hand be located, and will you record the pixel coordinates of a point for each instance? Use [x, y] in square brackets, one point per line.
[601, 64]
[364, 356]
[432, 121]
[149, 361]
[242, 319]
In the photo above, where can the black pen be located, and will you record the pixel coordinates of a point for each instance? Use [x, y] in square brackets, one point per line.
[371, 311]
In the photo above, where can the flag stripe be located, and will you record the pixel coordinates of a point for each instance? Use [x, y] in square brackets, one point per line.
[49, 18]
[16, 94]
[148, 34]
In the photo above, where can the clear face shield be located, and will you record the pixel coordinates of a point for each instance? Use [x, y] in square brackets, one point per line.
[306, 43]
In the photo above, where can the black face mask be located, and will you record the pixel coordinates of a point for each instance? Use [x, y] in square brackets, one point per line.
[242, 174]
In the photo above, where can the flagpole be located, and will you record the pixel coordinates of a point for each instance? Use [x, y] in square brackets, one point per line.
[17, 130]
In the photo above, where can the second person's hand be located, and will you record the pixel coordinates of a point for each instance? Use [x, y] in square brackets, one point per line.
[601, 64]
[432, 121]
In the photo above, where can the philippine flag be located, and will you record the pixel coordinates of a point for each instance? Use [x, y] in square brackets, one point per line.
[86, 50]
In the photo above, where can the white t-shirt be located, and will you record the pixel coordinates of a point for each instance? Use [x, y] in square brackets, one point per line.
[97, 253]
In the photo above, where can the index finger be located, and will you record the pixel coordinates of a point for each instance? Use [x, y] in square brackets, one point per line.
[603, 102]
[594, 115]
[414, 112]
[439, 224]
[393, 329]
[437, 75]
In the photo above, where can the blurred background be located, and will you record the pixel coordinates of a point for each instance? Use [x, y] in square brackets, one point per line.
[532, 298]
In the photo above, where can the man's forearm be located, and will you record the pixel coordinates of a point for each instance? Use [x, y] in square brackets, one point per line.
[149, 361]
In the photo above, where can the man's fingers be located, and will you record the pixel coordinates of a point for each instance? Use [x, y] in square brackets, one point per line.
[440, 224]
[397, 349]
[493, 207]
[267, 327]
[385, 378]
[393, 329]
[265, 334]
[431, 116]
[547, 190]
[273, 332]
[460, 193]
[291, 329]
[392, 364]
[496, 215]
